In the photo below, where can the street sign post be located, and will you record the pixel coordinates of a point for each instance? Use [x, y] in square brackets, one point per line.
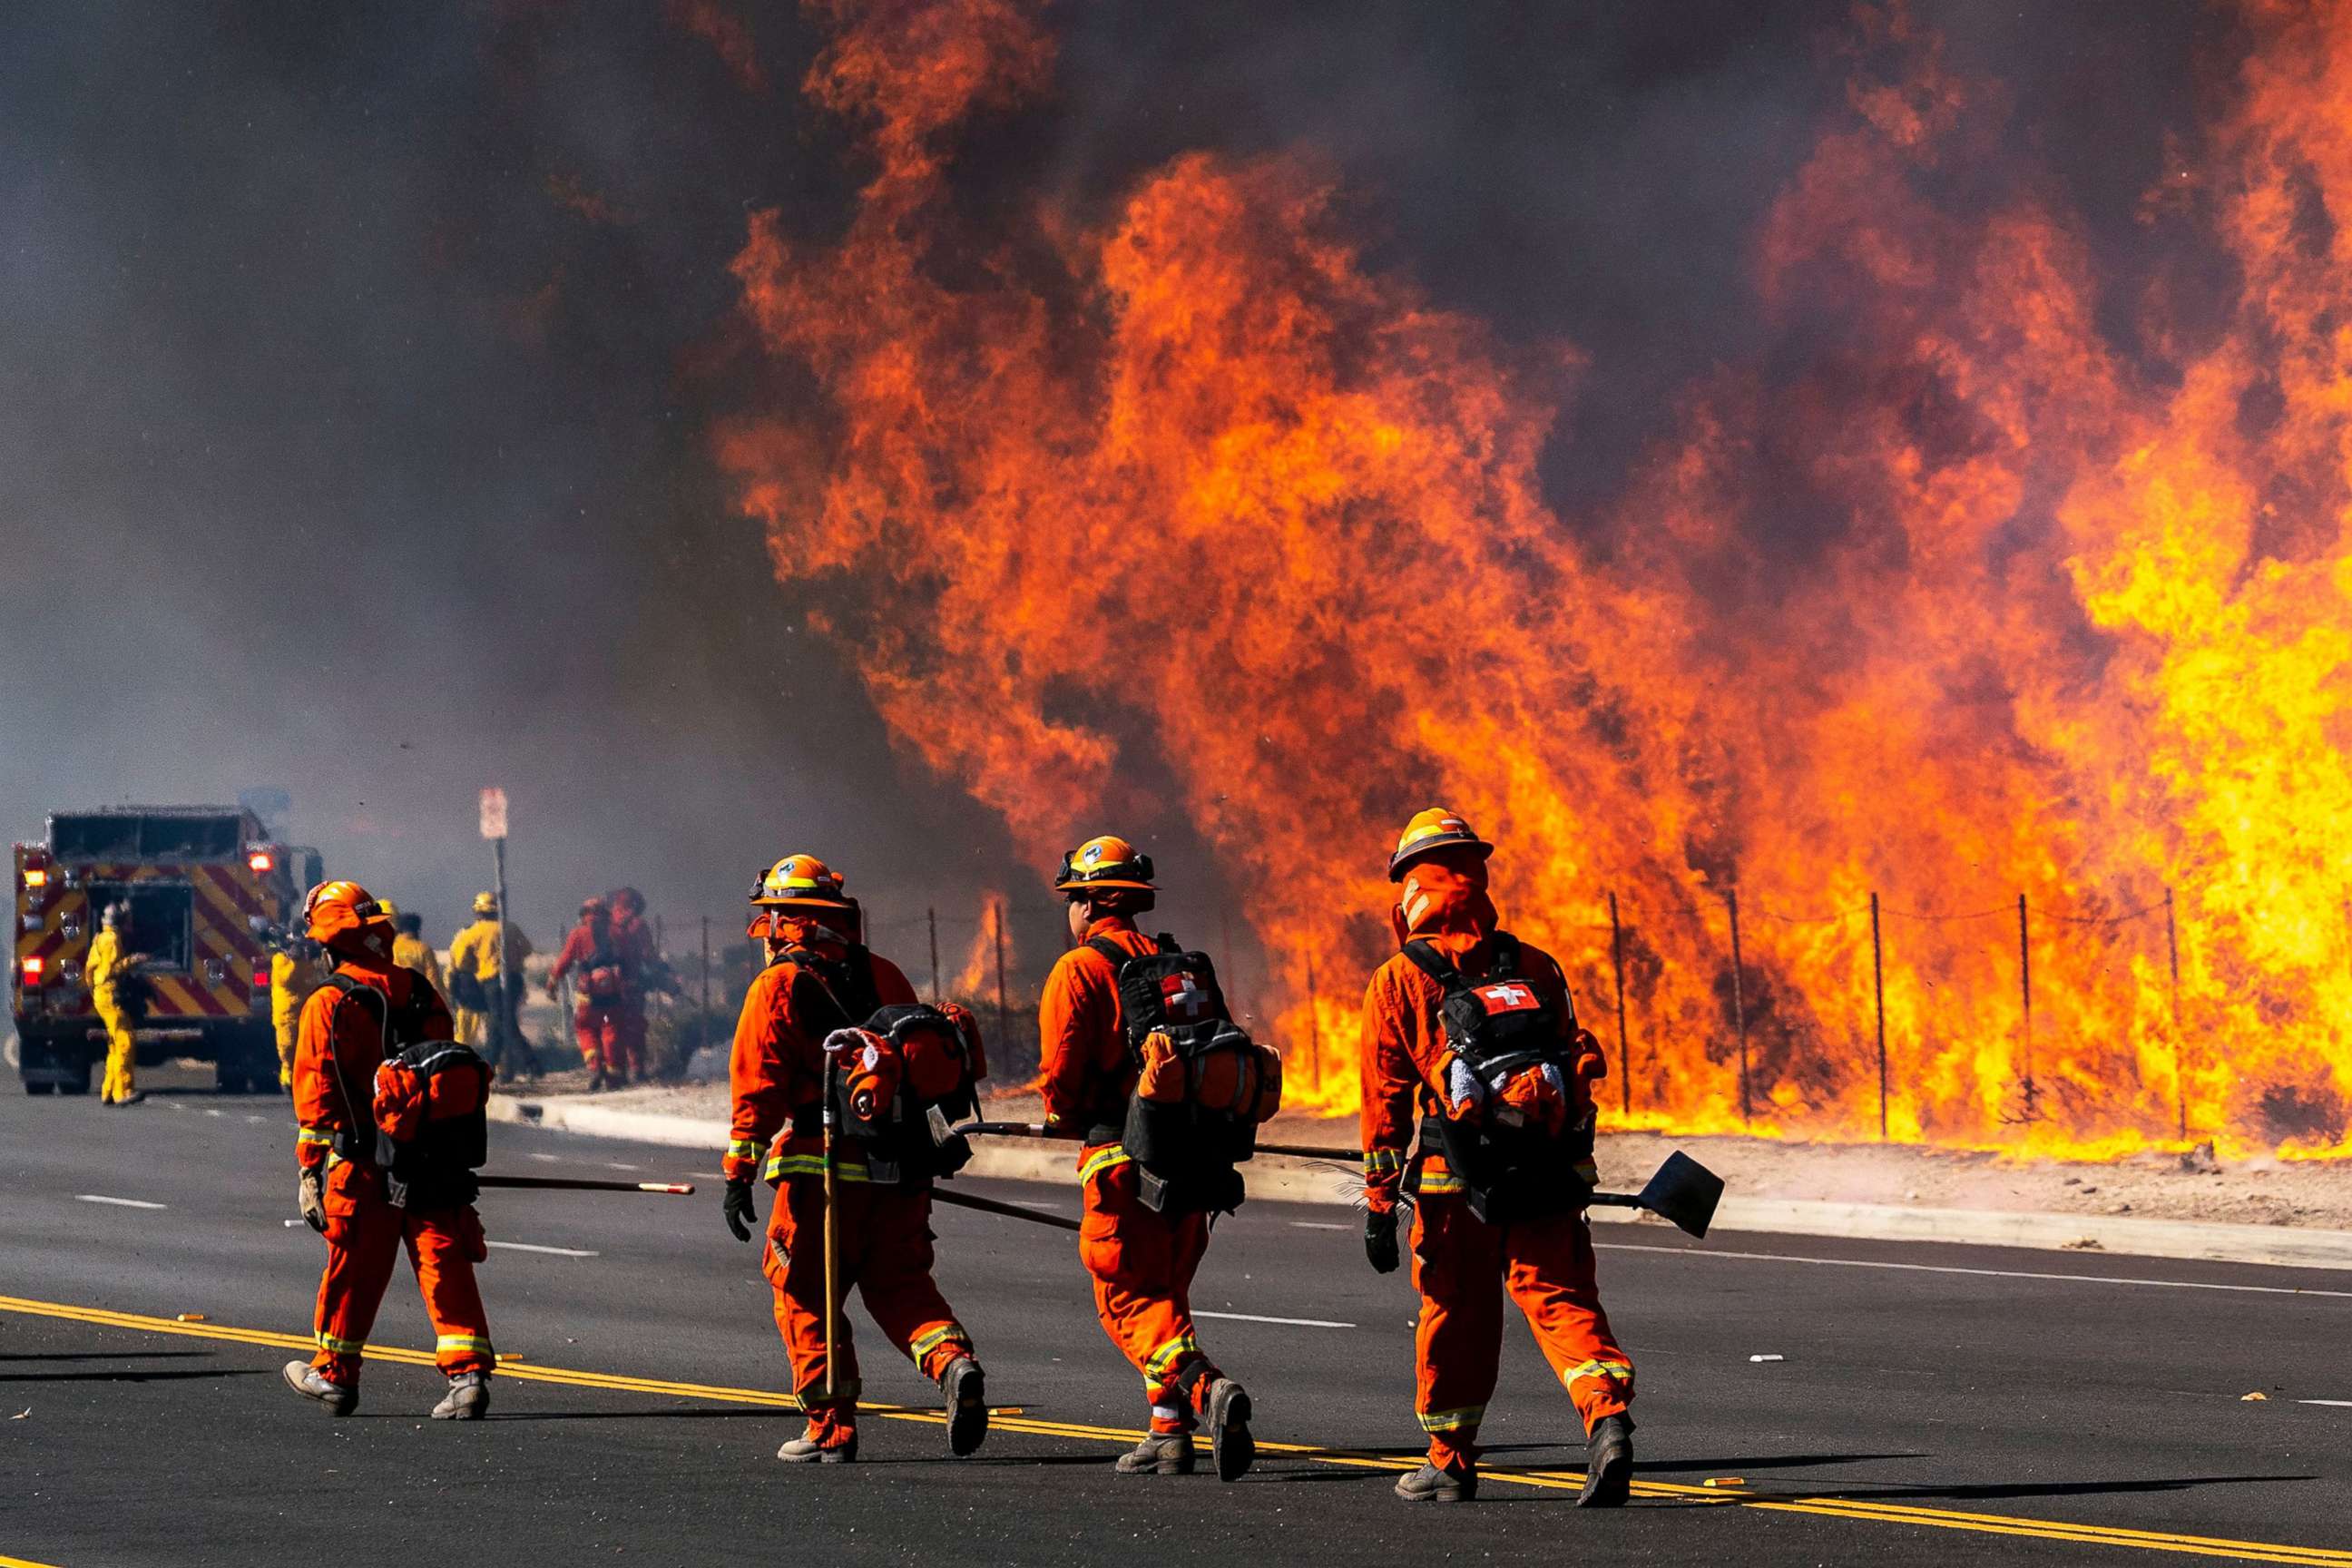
[494, 829]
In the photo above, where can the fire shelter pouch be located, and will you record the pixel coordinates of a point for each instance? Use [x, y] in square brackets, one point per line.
[914, 1074]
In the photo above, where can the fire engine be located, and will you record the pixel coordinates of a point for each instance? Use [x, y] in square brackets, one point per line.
[196, 881]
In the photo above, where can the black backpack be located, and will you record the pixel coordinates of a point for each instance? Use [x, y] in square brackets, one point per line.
[435, 1169]
[1186, 1150]
[467, 990]
[912, 1138]
[1500, 1024]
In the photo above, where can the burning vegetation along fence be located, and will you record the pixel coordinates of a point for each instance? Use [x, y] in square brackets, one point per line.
[1974, 577]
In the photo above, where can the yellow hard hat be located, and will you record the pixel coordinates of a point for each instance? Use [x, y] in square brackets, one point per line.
[1434, 830]
[801, 879]
[486, 903]
[1107, 862]
[387, 909]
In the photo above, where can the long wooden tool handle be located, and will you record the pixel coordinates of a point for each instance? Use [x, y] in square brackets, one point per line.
[573, 1184]
[832, 1249]
[990, 1206]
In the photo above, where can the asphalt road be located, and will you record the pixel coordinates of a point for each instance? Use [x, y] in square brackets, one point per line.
[1931, 1404]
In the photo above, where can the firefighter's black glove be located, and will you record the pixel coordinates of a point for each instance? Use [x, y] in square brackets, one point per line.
[1381, 1240]
[310, 1198]
[742, 1218]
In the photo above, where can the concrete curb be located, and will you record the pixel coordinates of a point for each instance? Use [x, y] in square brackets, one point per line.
[1280, 1180]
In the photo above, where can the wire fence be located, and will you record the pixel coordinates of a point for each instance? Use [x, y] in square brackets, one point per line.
[970, 958]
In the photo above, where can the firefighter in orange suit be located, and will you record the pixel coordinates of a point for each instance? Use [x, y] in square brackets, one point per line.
[341, 1192]
[607, 976]
[820, 978]
[1420, 1070]
[1142, 1261]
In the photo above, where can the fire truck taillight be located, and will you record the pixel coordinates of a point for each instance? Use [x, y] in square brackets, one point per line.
[31, 969]
[260, 858]
[260, 980]
[37, 875]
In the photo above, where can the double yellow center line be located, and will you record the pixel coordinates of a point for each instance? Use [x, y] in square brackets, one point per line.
[1864, 1509]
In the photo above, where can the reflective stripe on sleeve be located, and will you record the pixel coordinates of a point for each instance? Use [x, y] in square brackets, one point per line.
[1380, 1162]
[742, 1149]
[317, 1135]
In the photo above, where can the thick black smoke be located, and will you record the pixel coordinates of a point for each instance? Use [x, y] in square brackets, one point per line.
[357, 366]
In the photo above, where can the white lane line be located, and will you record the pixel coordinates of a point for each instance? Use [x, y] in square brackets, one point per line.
[1287, 1323]
[1982, 1273]
[212, 1112]
[255, 1120]
[2338, 1404]
[555, 1251]
[119, 1203]
[1317, 1224]
[548, 1159]
[708, 1175]
[618, 1165]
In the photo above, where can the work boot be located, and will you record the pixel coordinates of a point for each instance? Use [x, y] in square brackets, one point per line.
[307, 1381]
[468, 1398]
[964, 1387]
[1229, 1434]
[1431, 1484]
[809, 1449]
[1161, 1454]
[1607, 1463]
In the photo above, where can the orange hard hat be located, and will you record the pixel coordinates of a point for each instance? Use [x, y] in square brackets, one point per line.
[1104, 863]
[1432, 830]
[342, 916]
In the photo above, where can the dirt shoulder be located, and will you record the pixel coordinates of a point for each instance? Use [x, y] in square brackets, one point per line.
[2313, 1193]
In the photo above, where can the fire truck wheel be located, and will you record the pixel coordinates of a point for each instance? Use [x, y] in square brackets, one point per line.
[39, 1088]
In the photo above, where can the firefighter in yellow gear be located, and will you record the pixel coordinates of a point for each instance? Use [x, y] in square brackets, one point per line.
[294, 974]
[409, 949]
[475, 954]
[107, 966]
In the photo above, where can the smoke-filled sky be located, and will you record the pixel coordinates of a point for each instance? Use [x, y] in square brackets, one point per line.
[359, 367]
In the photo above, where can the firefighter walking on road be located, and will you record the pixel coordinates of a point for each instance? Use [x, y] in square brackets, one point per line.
[798, 1024]
[1142, 1256]
[371, 1010]
[476, 956]
[112, 972]
[1470, 1039]
[601, 1020]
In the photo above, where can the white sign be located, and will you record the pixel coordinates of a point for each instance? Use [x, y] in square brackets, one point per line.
[494, 814]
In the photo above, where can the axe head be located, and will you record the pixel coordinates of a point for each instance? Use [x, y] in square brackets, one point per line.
[1685, 1192]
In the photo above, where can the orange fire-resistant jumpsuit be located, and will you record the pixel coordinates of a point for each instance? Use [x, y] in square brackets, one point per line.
[1142, 1262]
[1461, 1265]
[633, 938]
[610, 1043]
[778, 1076]
[338, 1044]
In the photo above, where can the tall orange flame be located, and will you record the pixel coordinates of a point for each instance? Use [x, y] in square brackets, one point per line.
[2070, 623]
[991, 945]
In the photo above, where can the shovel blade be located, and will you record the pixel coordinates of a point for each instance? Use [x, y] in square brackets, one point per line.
[1685, 1192]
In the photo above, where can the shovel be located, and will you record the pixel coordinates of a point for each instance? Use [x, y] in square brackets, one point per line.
[1684, 1191]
